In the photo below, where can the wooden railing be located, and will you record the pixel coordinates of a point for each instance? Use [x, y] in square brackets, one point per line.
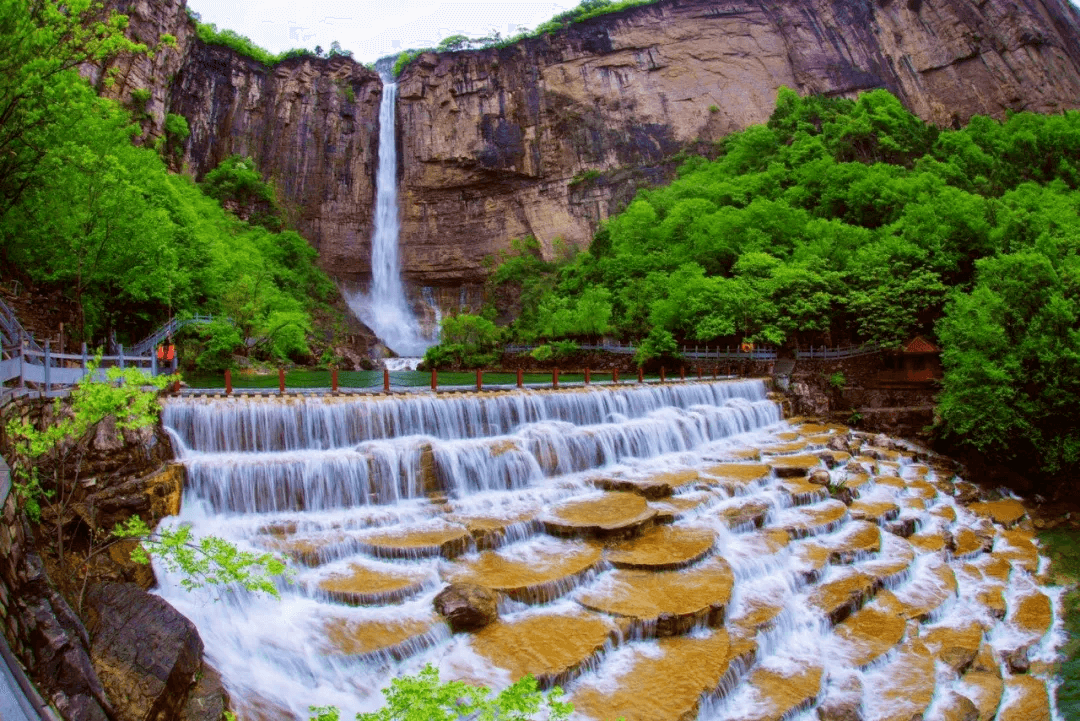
[695, 352]
[50, 374]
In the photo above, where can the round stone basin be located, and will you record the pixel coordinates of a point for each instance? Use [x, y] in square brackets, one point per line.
[1007, 512]
[892, 563]
[782, 448]
[553, 647]
[671, 602]
[366, 585]
[873, 630]
[1032, 614]
[922, 595]
[382, 638]
[660, 684]
[604, 515]
[420, 541]
[954, 646]
[791, 466]
[846, 591]
[662, 548]
[743, 513]
[736, 475]
[803, 491]
[1028, 700]
[874, 511]
[857, 537]
[779, 693]
[812, 520]
[490, 532]
[903, 688]
[536, 572]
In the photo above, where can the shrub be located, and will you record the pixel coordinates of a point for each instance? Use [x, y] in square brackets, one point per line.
[139, 97]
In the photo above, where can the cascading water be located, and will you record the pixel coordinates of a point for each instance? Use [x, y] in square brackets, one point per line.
[660, 551]
[385, 309]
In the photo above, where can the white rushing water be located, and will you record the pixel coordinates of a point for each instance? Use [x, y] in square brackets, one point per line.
[385, 309]
[328, 480]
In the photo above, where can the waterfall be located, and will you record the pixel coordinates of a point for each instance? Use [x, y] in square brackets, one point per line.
[385, 309]
[683, 537]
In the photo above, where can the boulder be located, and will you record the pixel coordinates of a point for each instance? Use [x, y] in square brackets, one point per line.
[208, 699]
[467, 607]
[820, 477]
[146, 653]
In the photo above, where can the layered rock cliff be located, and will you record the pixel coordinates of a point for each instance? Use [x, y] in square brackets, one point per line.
[311, 124]
[551, 135]
[492, 141]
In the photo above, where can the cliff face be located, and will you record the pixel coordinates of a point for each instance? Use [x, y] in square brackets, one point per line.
[551, 135]
[311, 124]
[493, 141]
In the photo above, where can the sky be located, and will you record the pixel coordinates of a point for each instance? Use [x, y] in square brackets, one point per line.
[372, 28]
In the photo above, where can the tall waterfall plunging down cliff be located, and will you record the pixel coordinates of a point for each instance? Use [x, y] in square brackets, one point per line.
[662, 552]
[385, 309]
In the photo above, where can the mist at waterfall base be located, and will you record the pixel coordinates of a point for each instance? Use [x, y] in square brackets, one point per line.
[329, 480]
[384, 308]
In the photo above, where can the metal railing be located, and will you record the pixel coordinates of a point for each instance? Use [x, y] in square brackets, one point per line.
[147, 344]
[826, 353]
[695, 352]
[50, 374]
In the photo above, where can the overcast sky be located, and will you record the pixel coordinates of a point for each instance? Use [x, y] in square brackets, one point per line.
[374, 28]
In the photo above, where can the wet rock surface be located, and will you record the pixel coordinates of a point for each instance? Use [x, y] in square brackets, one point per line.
[466, 606]
[903, 605]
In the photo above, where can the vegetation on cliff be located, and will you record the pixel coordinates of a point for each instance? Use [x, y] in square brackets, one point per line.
[853, 221]
[85, 211]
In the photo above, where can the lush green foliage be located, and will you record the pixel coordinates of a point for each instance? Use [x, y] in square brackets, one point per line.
[853, 221]
[206, 561]
[465, 340]
[85, 211]
[424, 697]
[209, 34]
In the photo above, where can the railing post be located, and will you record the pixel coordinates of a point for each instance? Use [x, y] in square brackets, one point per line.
[479, 379]
[228, 382]
[615, 376]
[434, 379]
[662, 377]
[699, 372]
[640, 375]
[715, 371]
[555, 378]
[333, 379]
[120, 358]
[682, 373]
[48, 362]
[520, 378]
[281, 380]
[386, 380]
[22, 360]
[588, 376]
[153, 361]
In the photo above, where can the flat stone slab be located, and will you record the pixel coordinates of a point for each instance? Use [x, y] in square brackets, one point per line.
[843, 594]
[857, 537]
[1032, 614]
[784, 448]
[904, 688]
[1007, 512]
[369, 585]
[664, 684]
[872, 631]
[743, 513]
[448, 540]
[984, 688]
[664, 603]
[804, 492]
[780, 693]
[875, 511]
[922, 595]
[378, 638]
[555, 648]
[955, 646]
[736, 475]
[602, 516]
[1027, 700]
[812, 520]
[660, 485]
[928, 542]
[491, 532]
[536, 573]
[662, 548]
[892, 562]
[1017, 547]
[966, 543]
[793, 466]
